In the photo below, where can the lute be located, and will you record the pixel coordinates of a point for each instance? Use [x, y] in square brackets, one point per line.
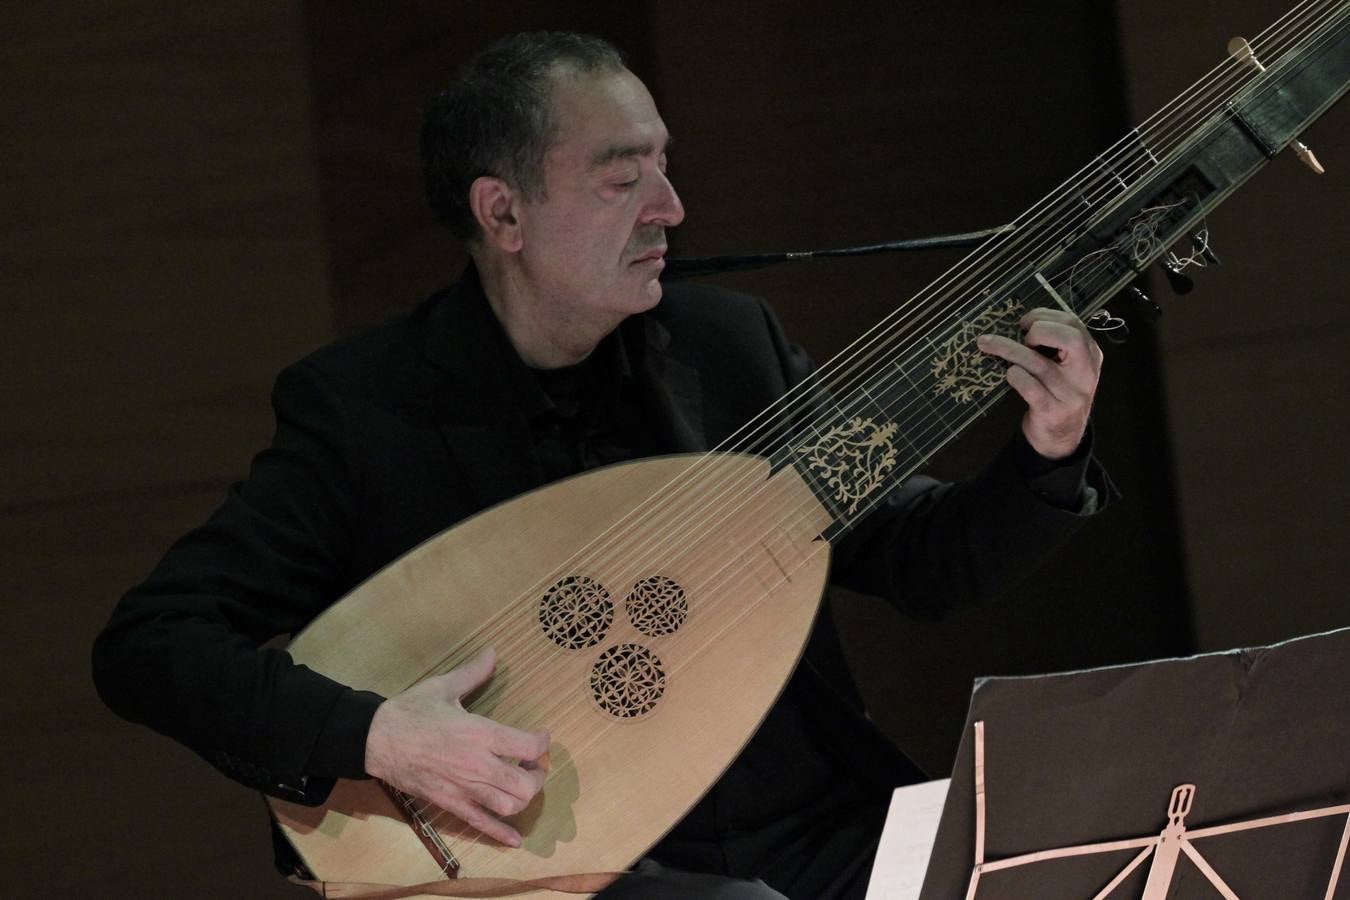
[649, 613]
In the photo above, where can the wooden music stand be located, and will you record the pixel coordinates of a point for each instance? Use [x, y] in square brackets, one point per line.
[1068, 797]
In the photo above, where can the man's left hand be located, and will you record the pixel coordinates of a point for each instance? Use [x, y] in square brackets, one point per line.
[1058, 388]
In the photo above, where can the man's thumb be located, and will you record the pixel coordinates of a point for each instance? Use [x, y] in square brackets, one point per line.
[473, 674]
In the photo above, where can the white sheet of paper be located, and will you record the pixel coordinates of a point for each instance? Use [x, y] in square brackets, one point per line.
[907, 841]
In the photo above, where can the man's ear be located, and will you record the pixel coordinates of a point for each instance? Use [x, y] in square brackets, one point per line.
[493, 202]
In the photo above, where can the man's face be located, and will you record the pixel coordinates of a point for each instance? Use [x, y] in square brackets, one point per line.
[594, 243]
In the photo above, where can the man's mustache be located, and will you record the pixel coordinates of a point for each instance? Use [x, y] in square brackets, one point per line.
[649, 239]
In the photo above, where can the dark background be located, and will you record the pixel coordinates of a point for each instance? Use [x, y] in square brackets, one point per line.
[196, 195]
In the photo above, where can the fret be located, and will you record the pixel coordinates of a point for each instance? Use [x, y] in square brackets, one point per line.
[927, 389]
[1120, 172]
[1073, 251]
[915, 414]
[798, 455]
[877, 408]
[1127, 167]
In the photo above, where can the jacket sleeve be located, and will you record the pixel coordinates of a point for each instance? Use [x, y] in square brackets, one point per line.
[183, 651]
[931, 545]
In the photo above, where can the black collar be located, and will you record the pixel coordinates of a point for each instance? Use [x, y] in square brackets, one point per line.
[482, 392]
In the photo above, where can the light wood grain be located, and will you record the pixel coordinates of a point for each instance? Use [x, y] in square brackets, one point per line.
[742, 544]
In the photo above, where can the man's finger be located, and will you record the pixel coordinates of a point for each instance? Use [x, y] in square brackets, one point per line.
[494, 799]
[1028, 386]
[518, 781]
[1074, 323]
[513, 743]
[1046, 314]
[471, 813]
[1044, 370]
[1054, 334]
[1073, 346]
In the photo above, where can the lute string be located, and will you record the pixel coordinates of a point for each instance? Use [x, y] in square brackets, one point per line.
[701, 505]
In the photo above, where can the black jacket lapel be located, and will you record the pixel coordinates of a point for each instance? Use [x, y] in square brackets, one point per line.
[475, 385]
[475, 396]
[673, 393]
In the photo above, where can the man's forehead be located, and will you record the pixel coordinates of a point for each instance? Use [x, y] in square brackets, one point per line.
[608, 153]
[604, 116]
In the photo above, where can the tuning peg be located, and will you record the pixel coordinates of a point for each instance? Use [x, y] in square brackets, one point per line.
[1180, 282]
[1150, 311]
[1242, 51]
[1239, 49]
[1200, 241]
[1307, 157]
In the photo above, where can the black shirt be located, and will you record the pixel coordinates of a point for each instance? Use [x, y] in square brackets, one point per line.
[787, 810]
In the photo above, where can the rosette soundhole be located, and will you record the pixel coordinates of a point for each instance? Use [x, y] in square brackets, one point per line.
[657, 606]
[627, 681]
[576, 612]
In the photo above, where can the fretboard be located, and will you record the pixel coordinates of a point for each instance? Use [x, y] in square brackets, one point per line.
[873, 415]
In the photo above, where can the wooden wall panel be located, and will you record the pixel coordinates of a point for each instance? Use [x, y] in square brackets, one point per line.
[1255, 361]
[373, 68]
[162, 259]
[101, 808]
[174, 230]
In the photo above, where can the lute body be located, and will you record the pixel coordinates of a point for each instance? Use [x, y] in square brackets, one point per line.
[696, 638]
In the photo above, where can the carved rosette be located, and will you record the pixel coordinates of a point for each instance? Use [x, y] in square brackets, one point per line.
[627, 680]
[960, 370]
[657, 606]
[852, 459]
[576, 612]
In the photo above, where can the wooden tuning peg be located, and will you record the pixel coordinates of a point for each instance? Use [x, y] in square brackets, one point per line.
[1308, 158]
[1242, 51]
[1239, 49]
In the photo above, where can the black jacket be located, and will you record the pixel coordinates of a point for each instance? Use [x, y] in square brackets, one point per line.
[389, 437]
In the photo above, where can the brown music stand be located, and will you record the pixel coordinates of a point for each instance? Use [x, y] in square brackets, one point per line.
[1061, 787]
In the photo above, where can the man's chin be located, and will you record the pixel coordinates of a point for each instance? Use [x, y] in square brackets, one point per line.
[652, 291]
[635, 295]
[647, 292]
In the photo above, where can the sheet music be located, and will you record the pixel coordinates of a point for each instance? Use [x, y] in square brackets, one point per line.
[907, 841]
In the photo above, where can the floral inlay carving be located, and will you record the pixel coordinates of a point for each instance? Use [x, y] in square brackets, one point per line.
[960, 370]
[852, 459]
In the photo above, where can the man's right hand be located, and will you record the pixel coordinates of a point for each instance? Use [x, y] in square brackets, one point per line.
[425, 743]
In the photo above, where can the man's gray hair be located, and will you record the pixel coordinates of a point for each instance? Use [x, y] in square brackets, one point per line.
[496, 119]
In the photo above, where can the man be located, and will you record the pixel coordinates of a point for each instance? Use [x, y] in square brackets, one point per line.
[553, 354]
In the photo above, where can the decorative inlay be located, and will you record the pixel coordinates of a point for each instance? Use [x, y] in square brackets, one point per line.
[657, 606]
[851, 459]
[960, 369]
[627, 680]
[576, 612]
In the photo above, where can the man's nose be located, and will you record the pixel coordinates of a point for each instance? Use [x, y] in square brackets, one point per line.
[665, 208]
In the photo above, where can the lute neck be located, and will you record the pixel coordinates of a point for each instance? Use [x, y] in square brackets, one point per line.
[874, 414]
